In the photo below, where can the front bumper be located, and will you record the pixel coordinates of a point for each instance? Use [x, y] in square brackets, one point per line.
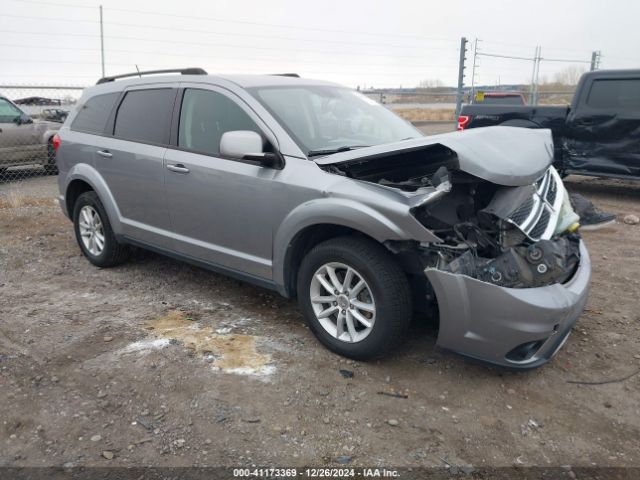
[487, 322]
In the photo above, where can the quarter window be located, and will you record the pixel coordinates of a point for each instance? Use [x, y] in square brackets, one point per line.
[145, 115]
[205, 115]
[92, 116]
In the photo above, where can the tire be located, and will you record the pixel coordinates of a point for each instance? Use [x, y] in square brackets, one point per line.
[112, 252]
[50, 167]
[386, 289]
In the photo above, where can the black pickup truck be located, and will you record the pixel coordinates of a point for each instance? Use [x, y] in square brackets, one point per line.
[598, 134]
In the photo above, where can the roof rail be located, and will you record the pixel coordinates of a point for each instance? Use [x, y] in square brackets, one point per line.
[294, 75]
[183, 71]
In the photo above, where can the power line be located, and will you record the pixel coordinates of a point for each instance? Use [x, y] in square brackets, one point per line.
[242, 22]
[218, 57]
[252, 47]
[154, 65]
[505, 56]
[565, 60]
[227, 34]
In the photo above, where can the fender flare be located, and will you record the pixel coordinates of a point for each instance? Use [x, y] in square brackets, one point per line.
[90, 175]
[334, 211]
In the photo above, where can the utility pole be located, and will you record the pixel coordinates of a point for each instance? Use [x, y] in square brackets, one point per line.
[102, 42]
[538, 59]
[463, 57]
[473, 70]
[595, 60]
[533, 94]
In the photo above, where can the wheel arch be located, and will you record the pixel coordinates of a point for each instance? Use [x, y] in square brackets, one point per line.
[318, 220]
[75, 188]
[83, 178]
[303, 242]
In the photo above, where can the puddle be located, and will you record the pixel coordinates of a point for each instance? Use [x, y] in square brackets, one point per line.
[146, 345]
[231, 353]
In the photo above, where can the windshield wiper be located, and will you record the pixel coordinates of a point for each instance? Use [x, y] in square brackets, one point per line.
[331, 151]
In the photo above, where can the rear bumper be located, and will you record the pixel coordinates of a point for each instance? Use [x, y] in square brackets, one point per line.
[487, 322]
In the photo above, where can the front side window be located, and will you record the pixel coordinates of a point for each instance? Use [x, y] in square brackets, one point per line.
[145, 116]
[205, 116]
[8, 111]
[324, 118]
[92, 116]
[615, 94]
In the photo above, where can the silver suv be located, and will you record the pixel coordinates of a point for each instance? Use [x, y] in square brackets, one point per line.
[320, 193]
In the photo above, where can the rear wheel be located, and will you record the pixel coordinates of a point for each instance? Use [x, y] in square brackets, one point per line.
[355, 297]
[94, 234]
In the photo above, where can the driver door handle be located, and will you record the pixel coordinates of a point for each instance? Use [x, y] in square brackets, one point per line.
[105, 153]
[178, 168]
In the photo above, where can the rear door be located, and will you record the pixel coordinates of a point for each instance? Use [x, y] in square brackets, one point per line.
[130, 159]
[603, 130]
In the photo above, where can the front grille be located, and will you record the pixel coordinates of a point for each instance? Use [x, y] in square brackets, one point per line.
[522, 212]
[541, 225]
[535, 215]
[552, 191]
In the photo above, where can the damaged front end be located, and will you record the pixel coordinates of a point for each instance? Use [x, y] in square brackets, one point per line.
[516, 237]
[510, 273]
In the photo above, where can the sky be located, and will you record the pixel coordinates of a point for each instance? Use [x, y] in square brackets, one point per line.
[353, 42]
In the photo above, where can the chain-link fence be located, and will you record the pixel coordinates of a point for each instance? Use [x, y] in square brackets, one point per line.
[29, 118]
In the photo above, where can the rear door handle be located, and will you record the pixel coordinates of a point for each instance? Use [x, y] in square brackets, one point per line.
[105, 153]
[178, 168]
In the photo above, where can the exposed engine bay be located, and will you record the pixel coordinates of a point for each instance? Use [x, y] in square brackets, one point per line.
[519, 236]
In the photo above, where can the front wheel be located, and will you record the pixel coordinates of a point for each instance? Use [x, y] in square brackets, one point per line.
[355, 297]
[94, 234]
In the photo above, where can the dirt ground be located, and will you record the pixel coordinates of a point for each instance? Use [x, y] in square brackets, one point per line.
[160, 363]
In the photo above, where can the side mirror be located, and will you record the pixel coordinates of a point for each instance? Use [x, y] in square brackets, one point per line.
[247, 145]
[23, 119]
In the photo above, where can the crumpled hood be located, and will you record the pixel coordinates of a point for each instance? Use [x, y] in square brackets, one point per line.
[509, 156]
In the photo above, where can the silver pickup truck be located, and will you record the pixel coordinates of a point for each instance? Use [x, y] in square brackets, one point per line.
[23, 140]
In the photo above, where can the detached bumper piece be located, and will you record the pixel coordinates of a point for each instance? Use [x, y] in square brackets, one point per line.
[512, 327]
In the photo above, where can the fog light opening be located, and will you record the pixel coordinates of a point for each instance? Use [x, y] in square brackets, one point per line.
[524, 351]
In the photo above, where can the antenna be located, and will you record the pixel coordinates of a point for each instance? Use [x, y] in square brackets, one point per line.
[138, 70]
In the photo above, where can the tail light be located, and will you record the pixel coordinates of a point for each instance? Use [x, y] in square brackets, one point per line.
[56, 142]
[463, 121]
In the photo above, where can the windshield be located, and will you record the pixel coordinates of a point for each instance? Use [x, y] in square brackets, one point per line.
[326, 119]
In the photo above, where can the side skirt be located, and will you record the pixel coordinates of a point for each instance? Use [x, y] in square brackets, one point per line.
[229, 272]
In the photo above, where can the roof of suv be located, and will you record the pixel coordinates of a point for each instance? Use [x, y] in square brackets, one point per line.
[244, 81]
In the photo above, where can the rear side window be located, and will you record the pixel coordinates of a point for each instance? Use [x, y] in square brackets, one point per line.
[93, 115]
[205, 115]
[145, 115]
[615, 94]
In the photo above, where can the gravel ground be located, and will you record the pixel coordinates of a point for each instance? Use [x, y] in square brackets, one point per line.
[160, 363]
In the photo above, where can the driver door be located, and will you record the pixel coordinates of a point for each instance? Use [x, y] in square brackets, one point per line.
[220, 208]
